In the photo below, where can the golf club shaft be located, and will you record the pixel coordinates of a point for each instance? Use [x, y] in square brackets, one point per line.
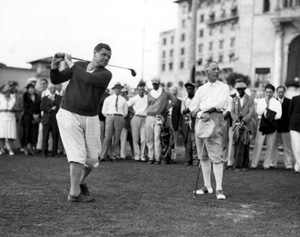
[199, 167]
[80, 59]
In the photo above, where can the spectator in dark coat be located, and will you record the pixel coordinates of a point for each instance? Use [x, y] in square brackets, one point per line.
[294, 114]
[50, 105]
[176, 121]
[283, 132]
[30, 119]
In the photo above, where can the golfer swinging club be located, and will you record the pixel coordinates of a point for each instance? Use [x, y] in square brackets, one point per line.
[77, 118]
[209, 102]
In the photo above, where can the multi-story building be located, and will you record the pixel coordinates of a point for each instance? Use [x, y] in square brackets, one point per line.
[258, 38]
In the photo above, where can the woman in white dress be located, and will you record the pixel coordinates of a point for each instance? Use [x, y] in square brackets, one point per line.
[8, 124]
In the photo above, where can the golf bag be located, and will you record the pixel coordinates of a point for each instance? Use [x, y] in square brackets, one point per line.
[167, 143]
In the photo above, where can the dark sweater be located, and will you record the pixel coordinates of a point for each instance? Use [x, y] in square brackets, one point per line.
[84, 90]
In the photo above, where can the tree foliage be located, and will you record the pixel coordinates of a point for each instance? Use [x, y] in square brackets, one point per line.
[231, 79]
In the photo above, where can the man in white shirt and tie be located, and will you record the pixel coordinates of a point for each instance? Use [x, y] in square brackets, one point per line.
[209, 102]
[138, 105]
[115, 109]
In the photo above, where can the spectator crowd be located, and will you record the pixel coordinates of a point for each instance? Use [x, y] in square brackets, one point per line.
[149, 123]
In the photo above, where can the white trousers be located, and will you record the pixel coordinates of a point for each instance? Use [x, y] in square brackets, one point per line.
[295, 138]
[259, 141]
[288, 152]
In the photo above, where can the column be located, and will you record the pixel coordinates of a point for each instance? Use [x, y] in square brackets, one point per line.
[277, 71]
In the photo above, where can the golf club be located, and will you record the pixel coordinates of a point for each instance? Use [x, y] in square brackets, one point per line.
[195, 192]
[133, 73]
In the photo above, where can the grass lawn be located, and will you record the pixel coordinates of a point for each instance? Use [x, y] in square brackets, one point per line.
[138, 199]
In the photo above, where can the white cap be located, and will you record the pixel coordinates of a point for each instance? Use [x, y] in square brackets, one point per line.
[31, 79]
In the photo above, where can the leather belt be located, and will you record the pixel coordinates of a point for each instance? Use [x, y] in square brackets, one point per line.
[115, 114]
[143, 116]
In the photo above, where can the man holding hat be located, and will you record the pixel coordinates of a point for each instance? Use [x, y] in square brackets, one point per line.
[115, 110]
[77, 117]
[242, 113]
[158, 105]
[188, 125]
[209, 103]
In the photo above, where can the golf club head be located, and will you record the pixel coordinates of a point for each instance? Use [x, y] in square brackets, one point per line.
[133, 73]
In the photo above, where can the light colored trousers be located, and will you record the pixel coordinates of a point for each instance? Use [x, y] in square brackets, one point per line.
[288, 152]
[153, 138]
[295, 138]
[123, 140]
[228, 146]
[138, 137]
[113, 128]
[259, 141]
[212, 147]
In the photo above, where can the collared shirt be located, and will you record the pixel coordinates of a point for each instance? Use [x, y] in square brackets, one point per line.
[274, 105]
[185, 104]
[139, 104]
[156, 93]
[281, 100]
[210, 95]
[241, 99]
[45, 93]
[110, 106]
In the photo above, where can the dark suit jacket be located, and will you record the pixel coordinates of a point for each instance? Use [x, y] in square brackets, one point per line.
[247, 111]
[46, 107]
[176, 115]
[284, 121]
[294, 114]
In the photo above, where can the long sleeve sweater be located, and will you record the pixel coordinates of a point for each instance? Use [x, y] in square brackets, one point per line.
[84, 90]
[161, 104]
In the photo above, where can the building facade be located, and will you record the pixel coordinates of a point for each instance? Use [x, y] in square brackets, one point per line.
[258, 38]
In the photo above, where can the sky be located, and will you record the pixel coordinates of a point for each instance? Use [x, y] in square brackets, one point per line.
[34, 29]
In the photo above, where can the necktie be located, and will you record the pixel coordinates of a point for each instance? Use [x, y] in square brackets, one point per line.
[117, 103]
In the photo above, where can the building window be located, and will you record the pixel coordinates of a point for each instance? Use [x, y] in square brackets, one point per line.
[221, 58]
[211, 30]
[221, 29]
[182, 51]
[202, 18]
[262, 76]
[164, 41]
[232, 26]
[199, 62]
[181, 64]
[232, 42]
[172, 39]
[171, 53]
[223, 13]
[200, 48]
[182, 37]
[266, 6]
[170, 66]
[211, 16]
[210, 48]
[201, 33]
[164, 54]
[221, 44]
[163, 67]
[231, 57]
[183, 24]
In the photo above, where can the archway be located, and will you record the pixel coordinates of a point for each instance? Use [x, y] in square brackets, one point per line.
[293, 69]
